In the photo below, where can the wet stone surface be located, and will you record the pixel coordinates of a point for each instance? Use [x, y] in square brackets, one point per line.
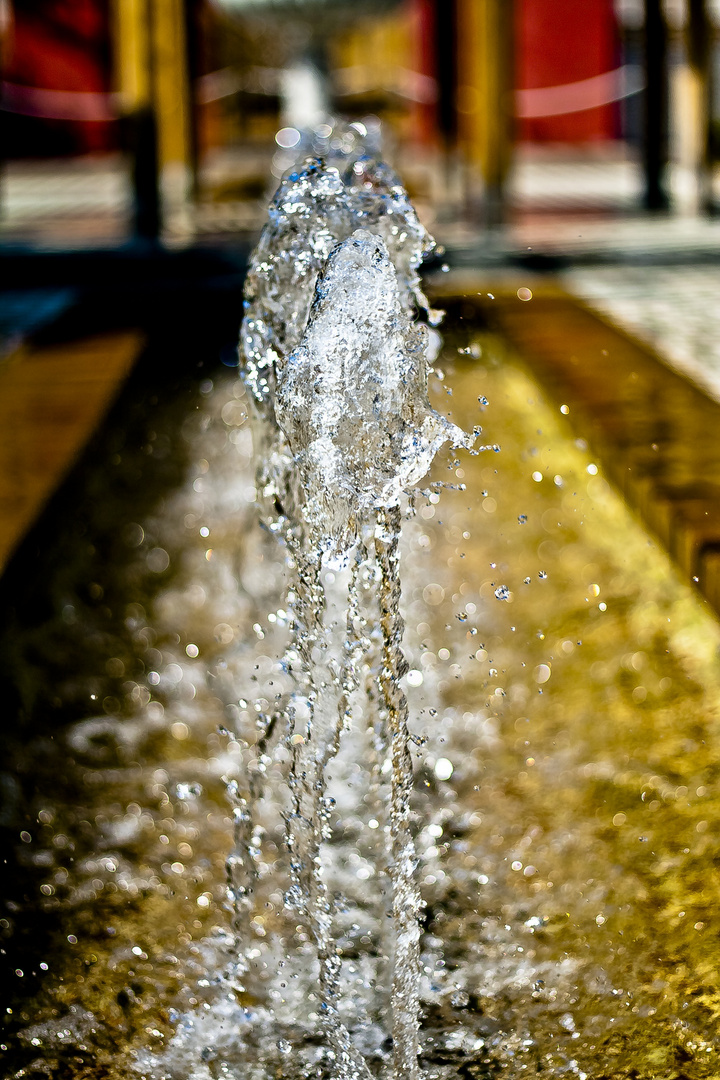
[566, 769]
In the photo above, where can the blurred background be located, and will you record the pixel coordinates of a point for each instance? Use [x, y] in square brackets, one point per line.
[125, 118]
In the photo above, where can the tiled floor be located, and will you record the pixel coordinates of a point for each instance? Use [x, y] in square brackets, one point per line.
[66, 202]
[675, 309]
[87, 202]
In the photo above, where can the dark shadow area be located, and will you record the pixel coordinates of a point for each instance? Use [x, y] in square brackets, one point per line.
[189, 305]
[190, 294]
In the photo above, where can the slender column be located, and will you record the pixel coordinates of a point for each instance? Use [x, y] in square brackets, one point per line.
[406, 902]
[699, 42]
[655, 108]
[445, 40]
[152, 78]
[133, 80]
[173, 101]
[485, 39]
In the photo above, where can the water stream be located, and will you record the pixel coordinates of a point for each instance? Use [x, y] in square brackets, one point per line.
[337, 370]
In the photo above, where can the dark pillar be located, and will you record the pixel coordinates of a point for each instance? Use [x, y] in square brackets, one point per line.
[141, 129]
[195, 68]
[445, 19]
[500, 152]
[699, 46]
[655, 128]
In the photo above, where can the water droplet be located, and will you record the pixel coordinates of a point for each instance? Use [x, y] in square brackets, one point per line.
[433, 594]
[133, 534]
[224, 634]
[188, 791]
[443, 768]
[158, 560]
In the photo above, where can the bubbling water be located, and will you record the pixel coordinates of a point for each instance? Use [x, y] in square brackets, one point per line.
[336, 366]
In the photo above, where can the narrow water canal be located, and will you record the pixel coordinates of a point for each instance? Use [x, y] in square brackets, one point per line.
[567, 794]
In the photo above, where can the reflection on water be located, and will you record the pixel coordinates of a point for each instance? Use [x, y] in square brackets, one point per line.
[567, 793]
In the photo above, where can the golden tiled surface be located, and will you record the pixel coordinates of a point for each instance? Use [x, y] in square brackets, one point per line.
[655, 432]
[51, 401]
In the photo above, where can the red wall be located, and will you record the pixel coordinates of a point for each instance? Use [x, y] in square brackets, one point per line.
[563, 41]
[58, 45]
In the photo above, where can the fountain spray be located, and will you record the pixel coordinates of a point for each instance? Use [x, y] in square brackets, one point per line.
[337, 368]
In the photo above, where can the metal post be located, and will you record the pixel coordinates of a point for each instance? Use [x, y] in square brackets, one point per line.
[134, 82]
[445, 41]
[151, 55]
[655, 108]
[193, 51]
[141, 141]
[172, 102]
[485, 36]
[699, 40]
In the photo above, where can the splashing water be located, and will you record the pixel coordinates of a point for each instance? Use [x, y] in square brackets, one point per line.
[351, 399]
[312, 211]
[337, 369]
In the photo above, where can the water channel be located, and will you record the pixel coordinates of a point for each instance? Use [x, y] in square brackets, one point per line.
[563, 702]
